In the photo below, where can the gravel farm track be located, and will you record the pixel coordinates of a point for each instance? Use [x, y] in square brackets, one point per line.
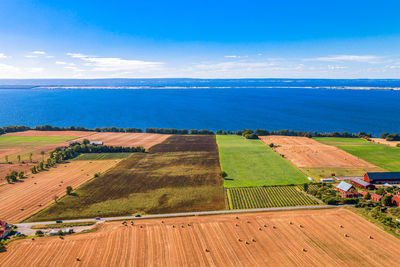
[385, 142]
[36, 191]
[284, 238]
[306, 152]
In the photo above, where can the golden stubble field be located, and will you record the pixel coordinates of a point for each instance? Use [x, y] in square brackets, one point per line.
[26, 197]
[286, 238]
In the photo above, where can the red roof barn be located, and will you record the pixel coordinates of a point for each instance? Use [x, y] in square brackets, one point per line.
[396, 199]
[376, 197]
[382, 177]
[362, 184]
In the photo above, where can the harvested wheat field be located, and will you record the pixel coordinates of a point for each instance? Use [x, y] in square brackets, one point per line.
[146, 140]
[314, 238]
[24, 198]
[385, 142]
[306, 152]
[7, 168]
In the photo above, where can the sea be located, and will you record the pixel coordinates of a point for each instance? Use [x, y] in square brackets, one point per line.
[324, 105]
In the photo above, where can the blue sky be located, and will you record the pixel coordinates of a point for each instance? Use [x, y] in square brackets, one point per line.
[204, 39]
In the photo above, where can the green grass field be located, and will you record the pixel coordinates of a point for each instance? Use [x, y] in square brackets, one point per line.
[267, 197]
[383, 156]
[32, 140]
[252, 163]
[102, 156]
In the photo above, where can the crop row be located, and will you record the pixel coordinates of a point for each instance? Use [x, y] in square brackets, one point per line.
[267, 197]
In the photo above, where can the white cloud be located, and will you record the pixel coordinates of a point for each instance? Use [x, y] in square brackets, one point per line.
[61, 63]
[336, 67]
[39, 53]
[35, 70]
[73, 68]
[31, 56]
[2, 55]
[365, 58]
[8, 68]
[233, 56]
[116, 64]
[50, 56]
[76, 55]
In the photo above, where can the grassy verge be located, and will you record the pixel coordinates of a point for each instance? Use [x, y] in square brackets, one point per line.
[102, 156]
[383, 156]
[61, 225]
[252, 163]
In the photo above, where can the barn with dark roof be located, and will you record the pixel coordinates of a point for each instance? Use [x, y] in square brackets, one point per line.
[382, 177]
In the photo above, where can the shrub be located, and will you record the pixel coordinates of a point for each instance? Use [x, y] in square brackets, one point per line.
[39, 233]
[223, 174]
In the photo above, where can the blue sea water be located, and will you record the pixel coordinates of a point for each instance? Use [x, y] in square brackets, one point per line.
[249, 105]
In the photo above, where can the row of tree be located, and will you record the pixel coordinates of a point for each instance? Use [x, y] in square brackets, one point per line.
[258, 132]
[14, 176]
[390, 137]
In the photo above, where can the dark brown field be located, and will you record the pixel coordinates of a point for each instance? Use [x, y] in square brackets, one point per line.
[179, 175]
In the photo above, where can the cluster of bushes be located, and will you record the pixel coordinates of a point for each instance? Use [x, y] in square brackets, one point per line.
[261, 132]
[390, 137]
[42, 165]
[166, 131]
[11, 129]
[380, 213]
[14, 176]
[326, 192]
[202, 131]
[86, 147]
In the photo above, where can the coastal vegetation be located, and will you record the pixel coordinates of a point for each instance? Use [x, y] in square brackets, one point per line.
[252, 163]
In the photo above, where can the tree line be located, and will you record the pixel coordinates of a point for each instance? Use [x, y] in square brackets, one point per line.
[253, 134]
[390, 137]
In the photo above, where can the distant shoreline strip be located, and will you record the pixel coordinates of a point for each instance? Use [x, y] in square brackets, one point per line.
[216, 87]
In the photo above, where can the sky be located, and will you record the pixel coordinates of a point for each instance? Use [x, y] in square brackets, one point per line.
[200, 39]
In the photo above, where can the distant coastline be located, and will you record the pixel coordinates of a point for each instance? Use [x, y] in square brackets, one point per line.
[216, 87]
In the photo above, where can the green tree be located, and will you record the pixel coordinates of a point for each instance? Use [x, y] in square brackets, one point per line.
[305, 187]
[68, 190]
[367, 196]
[19, 158]
[42, 153]
[223, 174]
[30, 157]
[21, 175]
[85, 142]
[39, 233]
[6, 157]
[387, 200]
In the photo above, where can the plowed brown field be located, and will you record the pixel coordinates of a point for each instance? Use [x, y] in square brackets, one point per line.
[306, 152]
[146, 140]
[22, 199]
[319, 242]
[52, 133]
[384, 142]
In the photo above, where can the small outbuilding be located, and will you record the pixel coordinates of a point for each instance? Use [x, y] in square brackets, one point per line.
[326, 180]
[344, 187]
[396, 199]
[376, 197]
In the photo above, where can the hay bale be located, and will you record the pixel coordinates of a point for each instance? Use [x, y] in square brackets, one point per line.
[162, 221]
[237, 218]
[247, 243]
[236, 224]
[259, 228]
[173, 226]
[305, 250]
[370, 237]
[207, 250]
[265, 225]
[290, 222]
[240, 240]
[346, 235]
[274, 226]
[254, 240]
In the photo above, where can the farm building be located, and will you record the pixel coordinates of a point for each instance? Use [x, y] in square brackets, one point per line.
[326, 180]
[364, 193]
[382, 177]
[5, 228]
[396, 199]
[361, 183]
[347, 190]
[96, 143]
[376, 197]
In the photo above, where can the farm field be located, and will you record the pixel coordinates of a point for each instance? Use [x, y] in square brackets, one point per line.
[267, 197]
[146, 140]
[12, 146]
[173, 177]
[252, 163]
[24, 198]
[385, 142]
[320, 241]
[383, 156]
[75, 134]
[102, 156]
[316, 159]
